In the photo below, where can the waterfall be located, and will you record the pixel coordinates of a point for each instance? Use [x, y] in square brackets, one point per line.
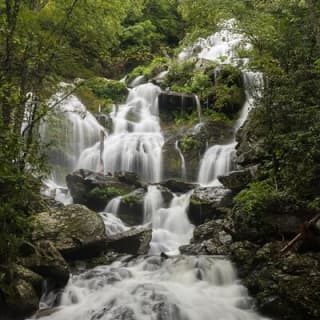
[147, 288]
[183, 162]
[217, 161]
[153, 201]
[136, 142]
[113, 206]
[171, 227]
[162, 285]
[198, 107]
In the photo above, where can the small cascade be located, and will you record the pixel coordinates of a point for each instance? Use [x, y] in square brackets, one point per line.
[153, 201]
[217, 161]
[221, 46]
[137, 81]
[112, 224]
[171, 226]
[145, 288]
[198, 107]
[183, 162]
[136, 143]
[113, 206]
[66, 132]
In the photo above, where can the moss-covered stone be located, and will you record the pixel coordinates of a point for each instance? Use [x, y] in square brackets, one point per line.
[95, 190]
[75, 231]
[207, 203]
[101, 92]
[131, 209]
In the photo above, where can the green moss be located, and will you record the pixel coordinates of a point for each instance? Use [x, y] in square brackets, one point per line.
[91, 101]
[102, 92]
[106, 193]
[149, 71]
[180, 76]
[189, 143]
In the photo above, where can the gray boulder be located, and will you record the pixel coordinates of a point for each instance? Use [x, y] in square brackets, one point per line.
[208, 203]
[134, 241]
[95, 190]
[75, 231]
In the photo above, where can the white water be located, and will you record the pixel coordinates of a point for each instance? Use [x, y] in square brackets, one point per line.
[153, 201]
[171, 227]
[113, 206]
[68, 130]
[222, 47]
[136, 142]
[151, 288]
[183, 162]
[216, 161]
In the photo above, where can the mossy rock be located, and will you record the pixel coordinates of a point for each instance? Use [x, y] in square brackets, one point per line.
[95, 189]
[101, 92]
[131, 209]
[75, 231]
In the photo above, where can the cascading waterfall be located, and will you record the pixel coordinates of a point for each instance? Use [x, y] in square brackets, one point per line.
[217, 161]
[157, 287]
[221, 47]
[68, 130]
[136, 142]
[150, 288]
[183, 162]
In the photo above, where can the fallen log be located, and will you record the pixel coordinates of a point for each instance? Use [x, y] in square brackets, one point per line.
[300, 235]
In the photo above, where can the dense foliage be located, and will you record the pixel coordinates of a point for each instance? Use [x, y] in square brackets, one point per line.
[44, 41]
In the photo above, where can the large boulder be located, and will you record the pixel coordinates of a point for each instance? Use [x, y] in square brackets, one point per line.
[238, 180]
[175, 102]
[213, 237]
[95, 190]
[134, 241]
[20, 292]
[131, 208]
[178, 186]
[208, 203]
[251, 140]
[47, 261]
[75, 231]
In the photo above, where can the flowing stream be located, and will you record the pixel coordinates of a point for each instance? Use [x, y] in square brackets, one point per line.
[155, 286]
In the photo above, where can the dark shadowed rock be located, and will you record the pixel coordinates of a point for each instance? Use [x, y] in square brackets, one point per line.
[47, 261]
[170, 102]
[131, 209]
[134, 241]
[178, 186]
[207, 203]
[75, 231]
[238, 180]
[95, 189]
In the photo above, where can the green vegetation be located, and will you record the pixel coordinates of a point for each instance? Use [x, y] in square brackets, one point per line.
[105, 194]
[156, 66]
[102, 92]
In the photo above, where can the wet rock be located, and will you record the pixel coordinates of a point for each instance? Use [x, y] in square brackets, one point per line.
[170, 102]
[131, 209]
[134, 241]
[47, 261]
[262, 227]
[250, 138]
[75, 231]
[207, 203]
[22, 298]
[286, 287]
[95, 190]
[238, 180]
[178, 186]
